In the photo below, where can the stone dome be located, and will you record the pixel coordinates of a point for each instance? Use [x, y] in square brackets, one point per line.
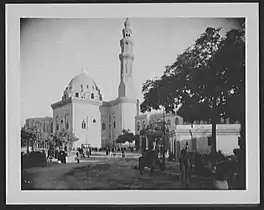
[84, 87]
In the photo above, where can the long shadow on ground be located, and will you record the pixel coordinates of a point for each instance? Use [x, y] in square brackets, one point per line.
[112, 175]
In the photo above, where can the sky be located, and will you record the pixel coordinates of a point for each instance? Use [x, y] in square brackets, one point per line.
[53, 51]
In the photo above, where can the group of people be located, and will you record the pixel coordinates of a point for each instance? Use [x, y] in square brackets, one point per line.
[83, 152]
[113, 150]
[226, 172]
[59, 153]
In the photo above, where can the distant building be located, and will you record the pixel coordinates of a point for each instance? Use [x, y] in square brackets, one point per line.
[42, 124]
[141, 121]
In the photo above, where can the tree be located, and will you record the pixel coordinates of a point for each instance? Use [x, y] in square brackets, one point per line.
[29, 137]
[206, 82]
[157, 132]
[137, 142]
[63, 138]
[126, 136]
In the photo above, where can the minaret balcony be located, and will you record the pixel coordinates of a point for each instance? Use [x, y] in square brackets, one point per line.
[128, 40]
[126, 55]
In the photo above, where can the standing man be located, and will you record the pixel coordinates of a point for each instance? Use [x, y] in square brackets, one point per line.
[77, 157]
[66, 149]
[63, 156]
[184, 166]
[106, 151]
[123, 152]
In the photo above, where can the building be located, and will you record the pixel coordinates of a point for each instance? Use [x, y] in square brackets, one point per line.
[42, 124]
[83, 112]
[197, 135]
[141, 121]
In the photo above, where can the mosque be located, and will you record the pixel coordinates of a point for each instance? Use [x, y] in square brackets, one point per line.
[83, 112]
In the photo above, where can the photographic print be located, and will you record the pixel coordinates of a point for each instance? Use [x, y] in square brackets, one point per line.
[132, 103]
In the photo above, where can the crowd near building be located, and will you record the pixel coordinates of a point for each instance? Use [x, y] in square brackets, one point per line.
[83, 112]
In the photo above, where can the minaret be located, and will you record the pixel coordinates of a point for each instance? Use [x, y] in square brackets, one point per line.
[126, 57]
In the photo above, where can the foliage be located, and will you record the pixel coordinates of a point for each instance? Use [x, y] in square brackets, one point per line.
[156, 132]
[30, 136]
[63, 138]
[206, 82]
[126, 136]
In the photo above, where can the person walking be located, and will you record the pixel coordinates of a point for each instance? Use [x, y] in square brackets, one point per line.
[50, 151]
[184, 168]
[77, 157]
[87, 152]
[90, 151]
[44, 158]
[106, 151]
[66, 149]
[63, 156]
[123, 152]
[57, 153]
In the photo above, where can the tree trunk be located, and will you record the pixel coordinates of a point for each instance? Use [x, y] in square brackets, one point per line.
[27, 146]
[214, 135]
[32, 144]
[213, 157]
[163, 154]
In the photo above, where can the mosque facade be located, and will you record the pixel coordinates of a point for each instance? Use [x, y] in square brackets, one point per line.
[82, 111]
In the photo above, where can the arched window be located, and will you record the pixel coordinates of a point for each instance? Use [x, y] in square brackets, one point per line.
[144, 125]
[176, 121]
[51, 127]
[38, 126]
[138, 126]
[92, 96]
[44, 130]
[83, 124]
[57, 123]
[76, 95]
[168, 122]
[103, 126]
[94, 121]
[114, 124]
[67, 121]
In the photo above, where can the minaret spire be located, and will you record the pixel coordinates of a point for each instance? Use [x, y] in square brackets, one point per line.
[127, 23]
[126, 57]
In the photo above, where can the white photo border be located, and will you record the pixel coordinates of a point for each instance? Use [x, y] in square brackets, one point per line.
[14, 12]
